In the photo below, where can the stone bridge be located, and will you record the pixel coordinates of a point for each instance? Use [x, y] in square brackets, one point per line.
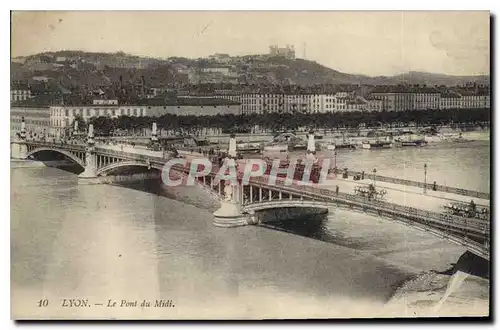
[242, 203]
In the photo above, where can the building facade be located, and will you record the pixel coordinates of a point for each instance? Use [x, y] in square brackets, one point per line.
[406, 97]
[471, 98]
[303, 102]
[373, 104]
[450, 101]
[61, 117]
[37, 119]
[426, 99]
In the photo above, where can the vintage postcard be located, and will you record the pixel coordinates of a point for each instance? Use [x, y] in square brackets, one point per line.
[249, 165]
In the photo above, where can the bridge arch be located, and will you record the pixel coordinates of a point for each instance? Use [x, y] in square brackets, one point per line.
[68, 154]
[284, 203]
[127, 163]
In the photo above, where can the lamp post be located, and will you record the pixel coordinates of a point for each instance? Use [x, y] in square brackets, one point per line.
[335, 154]
[425, 178]
[374, 173]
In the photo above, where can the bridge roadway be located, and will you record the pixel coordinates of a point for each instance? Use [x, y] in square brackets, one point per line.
[474, 234]
[407, 195]
[469, 232]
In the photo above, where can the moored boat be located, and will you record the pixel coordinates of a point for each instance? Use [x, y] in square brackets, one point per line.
[345, 146]
[415, 143]
[376, 144]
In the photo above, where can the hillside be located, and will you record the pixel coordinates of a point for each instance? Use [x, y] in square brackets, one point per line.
[414, 77]
[77, 68]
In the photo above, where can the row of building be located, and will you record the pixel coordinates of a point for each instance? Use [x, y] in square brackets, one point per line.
[57, 118]
[380, 99]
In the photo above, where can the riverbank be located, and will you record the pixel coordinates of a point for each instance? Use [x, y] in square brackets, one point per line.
[433, 295]
[26, 163]
[431, 288]
[461, 291]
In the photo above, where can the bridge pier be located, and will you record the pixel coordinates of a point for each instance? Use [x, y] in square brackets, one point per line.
[18, 147]
[230, 213]
[89, 175]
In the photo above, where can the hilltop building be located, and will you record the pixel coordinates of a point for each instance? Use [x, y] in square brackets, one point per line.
[287, 52]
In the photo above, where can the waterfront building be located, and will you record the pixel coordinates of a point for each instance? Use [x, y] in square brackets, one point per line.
[36, 118]
[192, 106]
[229, 95]
[62, 116]
[426, 98]
[474, 97]
[304, 102]
[373, 104]
[329, 102]
[356, 105]
[450, 100]
[395, 98]
[407, 97]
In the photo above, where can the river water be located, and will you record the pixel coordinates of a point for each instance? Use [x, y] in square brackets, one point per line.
[461, 165]
[148, 242]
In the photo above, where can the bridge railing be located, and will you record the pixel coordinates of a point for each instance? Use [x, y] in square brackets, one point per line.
[478, 226]
[55, 145]
[429, 186]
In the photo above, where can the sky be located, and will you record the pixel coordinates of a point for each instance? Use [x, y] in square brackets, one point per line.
[370, 43]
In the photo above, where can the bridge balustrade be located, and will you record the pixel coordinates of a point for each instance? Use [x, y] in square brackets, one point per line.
[449, 221]
[430, 186]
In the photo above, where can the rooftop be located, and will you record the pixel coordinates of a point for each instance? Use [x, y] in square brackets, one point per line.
[405, 89]
[17, 85]
[450, 95]
[184, 101]
[473, 91]
[37, 101]
[189, 101]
